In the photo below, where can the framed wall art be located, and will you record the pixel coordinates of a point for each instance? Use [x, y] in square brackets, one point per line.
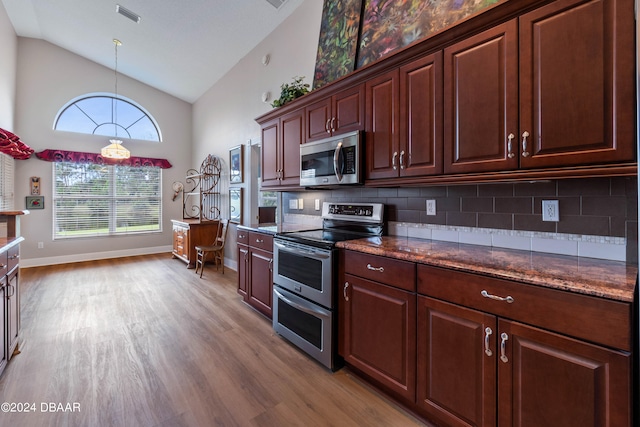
[35, 202]
[236, 164]
[235, 205]
[34, 184]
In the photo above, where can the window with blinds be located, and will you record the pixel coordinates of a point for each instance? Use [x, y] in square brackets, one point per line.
[100, 200]
[6, 182]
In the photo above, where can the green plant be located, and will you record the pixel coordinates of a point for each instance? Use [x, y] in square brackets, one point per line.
[291, 91]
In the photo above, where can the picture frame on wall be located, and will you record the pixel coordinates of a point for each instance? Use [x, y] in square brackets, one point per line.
[235, 205]
[236, 164]
[34, 202]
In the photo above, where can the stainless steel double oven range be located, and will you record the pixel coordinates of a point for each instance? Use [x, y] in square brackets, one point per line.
[305, 277]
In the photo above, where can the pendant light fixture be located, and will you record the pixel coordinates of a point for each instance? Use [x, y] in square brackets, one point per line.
[115, 150]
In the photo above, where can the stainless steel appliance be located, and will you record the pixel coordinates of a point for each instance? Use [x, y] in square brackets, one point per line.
[332, 161]
[304, 277]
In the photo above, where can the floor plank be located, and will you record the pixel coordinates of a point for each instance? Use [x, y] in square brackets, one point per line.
[143, 341]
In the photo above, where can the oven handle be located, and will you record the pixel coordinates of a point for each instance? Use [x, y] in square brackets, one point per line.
[336, 156]
[298, 306]
[287, 248]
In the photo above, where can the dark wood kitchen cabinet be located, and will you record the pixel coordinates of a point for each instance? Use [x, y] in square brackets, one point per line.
[13, 310]
[281, 139]
[340, 113]
[554, 90]
[187, 234]
[243, 262]
[474, 364]
[4, 353]
[378, 321]
[9, 303]
[404, 120]
[255, 270]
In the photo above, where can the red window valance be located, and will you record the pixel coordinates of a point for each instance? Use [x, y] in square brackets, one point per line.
[79, 157]
[11, 145]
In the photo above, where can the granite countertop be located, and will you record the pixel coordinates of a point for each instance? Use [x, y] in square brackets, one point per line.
[278, 228]
[7, 242]
[602, 278]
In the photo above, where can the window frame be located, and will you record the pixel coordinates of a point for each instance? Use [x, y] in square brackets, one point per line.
[113, 198]
[114, 98]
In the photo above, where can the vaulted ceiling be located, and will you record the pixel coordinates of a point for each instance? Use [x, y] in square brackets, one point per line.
[181, 47]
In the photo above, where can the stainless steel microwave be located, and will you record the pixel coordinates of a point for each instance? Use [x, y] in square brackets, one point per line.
[332, 161]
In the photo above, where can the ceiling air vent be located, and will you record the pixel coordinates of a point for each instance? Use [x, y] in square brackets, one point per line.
[277, 3]
[131, 15]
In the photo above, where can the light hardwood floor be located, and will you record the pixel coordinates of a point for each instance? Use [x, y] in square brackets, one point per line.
[143, 341]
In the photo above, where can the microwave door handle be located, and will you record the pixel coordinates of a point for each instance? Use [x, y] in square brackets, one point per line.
[307, 310]
[336, 156]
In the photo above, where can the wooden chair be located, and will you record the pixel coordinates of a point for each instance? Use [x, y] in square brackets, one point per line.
[216, 249]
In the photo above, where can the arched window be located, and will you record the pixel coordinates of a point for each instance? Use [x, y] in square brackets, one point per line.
[96, 114]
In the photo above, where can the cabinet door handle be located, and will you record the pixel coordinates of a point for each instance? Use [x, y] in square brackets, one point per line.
[326, 126]
[487, 335]
[240, 236]
[333, 124]
[12, 257]
[379, 269]
[509, 299]
[271, 265]
[402, 159]
[259, 240]
[344, 291]
[393, 160]
[510, 146]
[12, 293]
[525, 153]
[503, 346]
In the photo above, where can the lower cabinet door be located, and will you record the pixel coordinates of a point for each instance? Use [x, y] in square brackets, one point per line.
[243, 270]
[4, 351]
[13, 311]
[546, 379]
[261, 283]
[456, 364]
[380, 334]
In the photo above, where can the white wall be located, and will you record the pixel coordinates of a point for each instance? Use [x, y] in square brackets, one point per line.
[48, 77]
[224, 116]
[8, 57]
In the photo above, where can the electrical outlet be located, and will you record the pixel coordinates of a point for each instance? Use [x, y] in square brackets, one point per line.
[317, 204]
[293, 203]
[550, 210]
[431, 207]
[40, 245]
[300, 204]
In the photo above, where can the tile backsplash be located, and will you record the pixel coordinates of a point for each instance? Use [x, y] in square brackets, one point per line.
[593, 212]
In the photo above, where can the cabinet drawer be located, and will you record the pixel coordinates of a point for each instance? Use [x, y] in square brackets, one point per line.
[243, 236]
[13, 257]
[393, 272]
[594, 319]
[260, 240]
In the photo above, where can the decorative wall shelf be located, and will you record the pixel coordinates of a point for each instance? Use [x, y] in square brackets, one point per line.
[202, 198]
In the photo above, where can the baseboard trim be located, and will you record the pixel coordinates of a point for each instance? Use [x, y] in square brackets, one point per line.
[93, 256]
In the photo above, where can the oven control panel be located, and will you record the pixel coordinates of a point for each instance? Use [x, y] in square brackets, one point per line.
[366, 212]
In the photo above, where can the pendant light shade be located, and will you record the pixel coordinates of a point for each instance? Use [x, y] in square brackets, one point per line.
[115, 150]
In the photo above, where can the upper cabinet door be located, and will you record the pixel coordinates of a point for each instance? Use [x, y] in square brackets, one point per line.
[348, 110]
[340, 113]
[270, 151]
[421, 117]
[318, 119]
[481, 102]
[576, 75]
[292, 137]
[382, 126]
